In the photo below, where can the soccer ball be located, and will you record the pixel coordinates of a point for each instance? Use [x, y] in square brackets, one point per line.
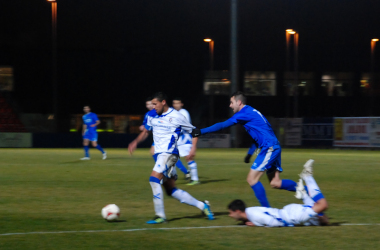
[111, 212]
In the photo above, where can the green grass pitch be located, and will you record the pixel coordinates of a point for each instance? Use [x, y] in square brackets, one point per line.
[51, 190]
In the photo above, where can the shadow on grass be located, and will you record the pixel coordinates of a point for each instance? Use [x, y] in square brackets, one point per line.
[116, 221]
[199, 216]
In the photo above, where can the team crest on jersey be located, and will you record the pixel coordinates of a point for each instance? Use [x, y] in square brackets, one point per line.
[170, 120]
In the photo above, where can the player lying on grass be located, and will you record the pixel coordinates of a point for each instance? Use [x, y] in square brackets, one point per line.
[90, 121]
[166, 124]
[269, 159]
[290, 215]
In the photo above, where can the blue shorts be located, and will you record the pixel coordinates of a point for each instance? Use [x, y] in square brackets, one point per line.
[91, 136]
[269, 159]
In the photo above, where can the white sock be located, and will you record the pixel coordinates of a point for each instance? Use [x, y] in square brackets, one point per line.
[158, 199]
[185, 197]
[307, 200]
[193, 170]
[312, 186]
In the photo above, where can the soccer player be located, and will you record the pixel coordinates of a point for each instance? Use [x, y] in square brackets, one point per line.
[290, 215]
[269, 159]
[252, 150]
[166, 124]
[90, 121]
[149, 106]
[184, 146]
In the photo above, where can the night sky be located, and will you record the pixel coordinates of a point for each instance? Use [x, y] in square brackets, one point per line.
[113, 54]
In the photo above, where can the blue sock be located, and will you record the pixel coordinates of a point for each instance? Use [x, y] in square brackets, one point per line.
[181, 167]
[259, 191]
[288, 185]
[155, 157]
[86, 148]
[100, 149]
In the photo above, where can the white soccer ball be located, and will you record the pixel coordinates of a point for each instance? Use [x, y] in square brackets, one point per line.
[111, 212]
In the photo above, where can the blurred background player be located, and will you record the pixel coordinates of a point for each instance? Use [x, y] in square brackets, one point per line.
[149, 106]
[185, 144]
[166, 124]
[269, 158]
[252, 150]
[290, 215]
[90, 121]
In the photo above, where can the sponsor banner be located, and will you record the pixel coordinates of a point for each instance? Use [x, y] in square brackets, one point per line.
[214, 141]
[352, 131]
[317, 132]
[374, 137]
[293, 131]
[15, 140]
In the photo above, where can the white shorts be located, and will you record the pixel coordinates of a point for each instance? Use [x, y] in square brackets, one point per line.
[165, 164]
[296, 214]
[184, 150]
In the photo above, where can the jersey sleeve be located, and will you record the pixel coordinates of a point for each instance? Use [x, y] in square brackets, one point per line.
[218, 126]
[184, 123]
[148, 118]
[95, 117]
[186, 114]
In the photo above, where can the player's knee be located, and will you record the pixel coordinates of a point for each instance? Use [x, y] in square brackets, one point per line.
[323, 203]
[170, 190]
[275, 183]
[251, 181]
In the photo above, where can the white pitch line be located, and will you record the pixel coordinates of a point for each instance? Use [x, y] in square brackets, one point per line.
[155, 229]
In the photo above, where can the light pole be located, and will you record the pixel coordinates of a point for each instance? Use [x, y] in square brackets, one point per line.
[211, 51]
[373, 45]
[288, 35]
[54, 58]
[295, 107]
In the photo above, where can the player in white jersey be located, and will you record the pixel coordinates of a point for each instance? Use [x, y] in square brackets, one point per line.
[290, 215]
[185, 145]
[166, 124]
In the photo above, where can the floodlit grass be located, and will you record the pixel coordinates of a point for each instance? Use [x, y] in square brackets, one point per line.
[50, 190]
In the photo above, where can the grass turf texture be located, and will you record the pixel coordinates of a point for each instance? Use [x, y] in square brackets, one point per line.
[49, 190]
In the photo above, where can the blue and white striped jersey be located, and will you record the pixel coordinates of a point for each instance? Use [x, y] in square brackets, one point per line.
[184, 137]
[166, 130]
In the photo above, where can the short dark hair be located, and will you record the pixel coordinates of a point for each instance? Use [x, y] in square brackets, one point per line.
[239, 95]
[160, 96]
[148, 99]
[237, 205]
[177, 99]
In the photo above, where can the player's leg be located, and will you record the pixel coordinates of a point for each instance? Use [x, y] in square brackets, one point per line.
[313, 188]
[86, 148]
[253, 180]
[193, 173]
[184, 151]
[94, 142]
[274, 173]
[181, 167]
[151, 150]
[185, 197]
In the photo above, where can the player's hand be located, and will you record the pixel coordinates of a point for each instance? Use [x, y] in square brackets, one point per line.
[93, 125]
[247, 158]
[132, 146]
[196, 132]
[141, 127]
[191, 155]
[248, 223]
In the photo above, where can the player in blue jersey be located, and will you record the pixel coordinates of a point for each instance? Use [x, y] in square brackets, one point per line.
[90, 121]
[269, 159]
[149, 106]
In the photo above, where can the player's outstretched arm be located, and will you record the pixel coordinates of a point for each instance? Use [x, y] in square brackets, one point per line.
[141, 137]
[213, 128]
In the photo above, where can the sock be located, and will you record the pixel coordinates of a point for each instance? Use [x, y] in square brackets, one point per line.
[259, 191]
[308, 201]
[100, 149]
[158, 197]
[312, 186]
[86, 149]
[193, 170]
[288, 185]
[185, 197]
[155, 157]
[181, 167]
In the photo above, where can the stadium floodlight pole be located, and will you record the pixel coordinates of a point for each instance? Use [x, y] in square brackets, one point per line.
[211, 49]
[296, 38]
[372, 77]
[54, 59]
[234, 59]
[288, 34]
